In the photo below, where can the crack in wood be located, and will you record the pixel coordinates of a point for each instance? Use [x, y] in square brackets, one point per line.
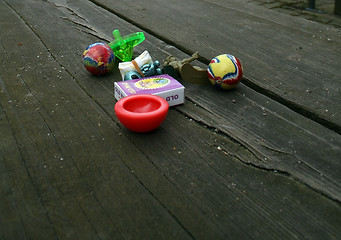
[69, 9]
[223, 132]
[258, 155]
[300, 109]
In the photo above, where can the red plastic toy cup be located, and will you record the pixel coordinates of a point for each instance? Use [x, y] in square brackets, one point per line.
[141, 112]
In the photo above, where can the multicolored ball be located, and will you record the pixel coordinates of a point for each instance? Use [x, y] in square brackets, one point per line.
[225, 71]
[98, 58]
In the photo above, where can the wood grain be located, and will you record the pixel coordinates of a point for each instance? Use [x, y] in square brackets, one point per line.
[288, 59]
[69, 169]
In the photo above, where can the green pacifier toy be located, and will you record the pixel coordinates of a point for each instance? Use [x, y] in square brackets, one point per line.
[123, 46]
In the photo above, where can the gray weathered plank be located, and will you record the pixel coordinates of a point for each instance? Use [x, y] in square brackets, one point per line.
[252, 118]
[63, 174]
[251, 123]
[201, 182]
[283, 57]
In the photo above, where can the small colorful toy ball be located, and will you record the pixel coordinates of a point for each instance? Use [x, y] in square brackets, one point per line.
[225, 71]
[98, 58]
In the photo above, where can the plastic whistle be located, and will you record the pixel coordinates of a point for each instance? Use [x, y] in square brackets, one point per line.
[123, 46]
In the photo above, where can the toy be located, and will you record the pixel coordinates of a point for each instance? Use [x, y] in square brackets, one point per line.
[142, 66]
[134, 65]
[189, 73]
[162, 85]
[132, 75]
[194, 74]
[225, 71]
[123, 46]
[151, 69]
[141, 112]
[98, 58]
[176, 64]
[147, 70]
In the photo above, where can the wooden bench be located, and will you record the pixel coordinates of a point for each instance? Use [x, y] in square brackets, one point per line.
[261, 161]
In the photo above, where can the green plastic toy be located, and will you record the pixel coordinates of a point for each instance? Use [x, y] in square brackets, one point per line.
[123, 46]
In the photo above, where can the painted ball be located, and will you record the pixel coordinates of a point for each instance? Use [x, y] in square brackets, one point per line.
[225, 71]
[98, 58]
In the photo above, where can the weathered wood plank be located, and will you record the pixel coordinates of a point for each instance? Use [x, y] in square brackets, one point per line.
[199, 181]
[280, 139]
[292, 64]
[233, 193]
[277, 143]
[61, 177]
